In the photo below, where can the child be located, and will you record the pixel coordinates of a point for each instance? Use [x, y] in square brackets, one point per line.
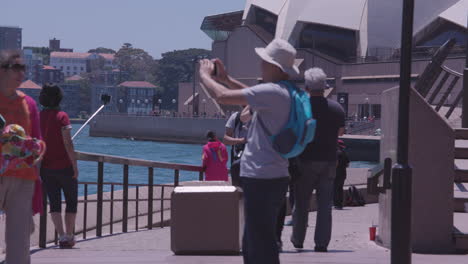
[59, 169]
[214, 158]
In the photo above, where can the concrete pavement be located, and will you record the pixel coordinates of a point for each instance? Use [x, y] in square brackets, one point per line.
[350, 244]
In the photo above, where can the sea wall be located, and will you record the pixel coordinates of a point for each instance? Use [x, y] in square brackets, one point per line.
[193, 130]
[181, 130]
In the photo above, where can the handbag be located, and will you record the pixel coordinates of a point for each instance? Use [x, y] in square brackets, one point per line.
[18, 150]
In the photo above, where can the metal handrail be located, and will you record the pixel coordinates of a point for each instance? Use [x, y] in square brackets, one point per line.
[453, 72]
[431, 75]
[101, 159]
[86, 156]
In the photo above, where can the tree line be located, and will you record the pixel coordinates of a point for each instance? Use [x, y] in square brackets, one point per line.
[166, 73]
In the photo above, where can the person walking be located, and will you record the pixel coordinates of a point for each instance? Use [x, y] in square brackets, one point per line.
[235, 135]
[342, 165]
[317, 164]
[59, 170]
[18, 186]
[264, 172]
[214, 158]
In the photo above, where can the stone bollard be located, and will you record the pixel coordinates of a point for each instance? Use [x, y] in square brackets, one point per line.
[206, 220]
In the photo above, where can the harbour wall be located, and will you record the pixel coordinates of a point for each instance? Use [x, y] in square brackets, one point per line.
[193, 131]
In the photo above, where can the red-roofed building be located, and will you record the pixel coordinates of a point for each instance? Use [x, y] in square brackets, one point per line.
[75, 63]
[47, 67]
[69, 55]
[140, 97]
[28, 84]
[137, 84]
[43, 74]
[70, 63]
[71, 102]
[107, 56]
[131, 97]
[30, 88]
[74, 78]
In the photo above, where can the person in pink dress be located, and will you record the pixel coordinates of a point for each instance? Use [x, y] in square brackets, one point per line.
[215, 158]
[20, 188]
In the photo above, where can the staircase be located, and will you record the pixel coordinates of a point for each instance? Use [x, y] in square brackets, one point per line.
[435, 85]
[461, 190]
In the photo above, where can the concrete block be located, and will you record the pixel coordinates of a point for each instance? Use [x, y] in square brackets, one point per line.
[206, 220]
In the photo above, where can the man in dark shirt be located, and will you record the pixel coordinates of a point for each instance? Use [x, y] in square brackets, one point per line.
[317, 164]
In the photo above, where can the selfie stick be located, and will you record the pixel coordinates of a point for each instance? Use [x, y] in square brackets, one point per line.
[2, 123]
[105, 100]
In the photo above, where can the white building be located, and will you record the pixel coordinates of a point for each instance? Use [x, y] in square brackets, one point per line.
[356, 42]
[76, 63]
[352, 28]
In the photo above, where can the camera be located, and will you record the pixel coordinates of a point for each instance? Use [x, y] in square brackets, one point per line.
[238, 150]
[105, 98]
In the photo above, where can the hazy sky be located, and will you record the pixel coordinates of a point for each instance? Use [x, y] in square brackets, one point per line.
[156, 26]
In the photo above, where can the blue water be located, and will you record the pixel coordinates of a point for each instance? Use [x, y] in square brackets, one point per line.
[148, 150]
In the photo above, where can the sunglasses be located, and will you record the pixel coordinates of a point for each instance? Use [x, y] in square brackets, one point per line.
[15, 67]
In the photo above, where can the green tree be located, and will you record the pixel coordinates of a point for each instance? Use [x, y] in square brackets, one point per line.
[102, 50]
[84, 94]
[175, 67]
[136, 62]
[95, 69]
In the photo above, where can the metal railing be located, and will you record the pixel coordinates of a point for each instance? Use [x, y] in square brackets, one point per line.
[177, 116]
[124, 200]
[361, 127]
[442, 91]
[394, 54]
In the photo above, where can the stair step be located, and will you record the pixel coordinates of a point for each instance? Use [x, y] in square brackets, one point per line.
[461, 153]
[459, 205]
[461, 133]
[461, 176]
[461, 241]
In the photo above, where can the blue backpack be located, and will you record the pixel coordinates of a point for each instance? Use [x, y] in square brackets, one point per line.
[300, 129]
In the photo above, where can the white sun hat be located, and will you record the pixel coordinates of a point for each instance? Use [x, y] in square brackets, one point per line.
[280, 53]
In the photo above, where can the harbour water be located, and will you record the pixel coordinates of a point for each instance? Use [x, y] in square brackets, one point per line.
[147, 150]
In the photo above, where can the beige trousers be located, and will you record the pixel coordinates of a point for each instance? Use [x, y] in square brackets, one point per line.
[16, 201]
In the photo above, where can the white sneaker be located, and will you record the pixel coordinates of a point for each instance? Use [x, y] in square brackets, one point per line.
[66, 241]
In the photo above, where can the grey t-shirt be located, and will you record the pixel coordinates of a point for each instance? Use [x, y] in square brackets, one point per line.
[272, 102]
[241, 130]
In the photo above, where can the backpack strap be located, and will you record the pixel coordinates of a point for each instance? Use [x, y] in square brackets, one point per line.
[237, 121]
[290, 88]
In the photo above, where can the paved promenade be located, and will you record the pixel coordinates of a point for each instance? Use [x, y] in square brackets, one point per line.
[356, 176]
[350, 244]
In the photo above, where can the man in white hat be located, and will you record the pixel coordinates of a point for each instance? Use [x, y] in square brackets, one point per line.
[264, 173]
[317, 164]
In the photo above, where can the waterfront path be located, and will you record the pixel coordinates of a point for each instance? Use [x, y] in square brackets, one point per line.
[356, 176]
[350, 244]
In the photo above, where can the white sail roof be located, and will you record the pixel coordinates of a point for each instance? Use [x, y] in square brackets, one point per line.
[457, 13]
